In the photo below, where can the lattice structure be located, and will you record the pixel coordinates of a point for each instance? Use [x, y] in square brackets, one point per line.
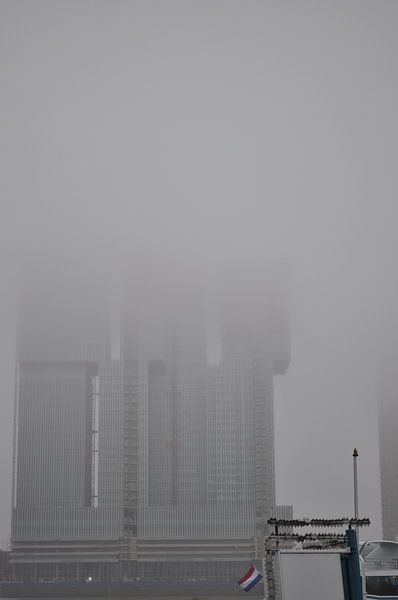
[128, 546]
[272, 575]
[264, 435]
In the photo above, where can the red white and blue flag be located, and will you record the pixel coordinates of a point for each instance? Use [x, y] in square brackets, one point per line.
[248, 581]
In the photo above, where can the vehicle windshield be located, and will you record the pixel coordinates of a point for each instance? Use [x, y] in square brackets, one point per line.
[382, 585]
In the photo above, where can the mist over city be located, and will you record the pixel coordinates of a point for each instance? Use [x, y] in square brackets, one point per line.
[194, 186]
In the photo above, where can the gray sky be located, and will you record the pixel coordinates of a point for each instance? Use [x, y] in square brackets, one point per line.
[208, 130]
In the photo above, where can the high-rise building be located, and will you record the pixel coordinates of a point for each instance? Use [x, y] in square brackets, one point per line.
[133, 457]
[388, 446]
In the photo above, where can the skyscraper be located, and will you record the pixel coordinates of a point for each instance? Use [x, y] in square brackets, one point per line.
[388, 445]
[133, 457]
[68, 473]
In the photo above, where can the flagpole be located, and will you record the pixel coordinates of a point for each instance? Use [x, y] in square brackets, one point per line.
[264, 574]
[355, 457]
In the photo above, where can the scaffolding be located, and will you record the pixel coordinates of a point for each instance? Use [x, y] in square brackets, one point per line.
[264, 443]
[94, 440]
[128, 544]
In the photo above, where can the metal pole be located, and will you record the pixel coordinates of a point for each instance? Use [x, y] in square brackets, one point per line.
[354, 457]
[353, 568]
[264, 573]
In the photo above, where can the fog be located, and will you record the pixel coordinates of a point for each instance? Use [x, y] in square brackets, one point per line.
[208, 135]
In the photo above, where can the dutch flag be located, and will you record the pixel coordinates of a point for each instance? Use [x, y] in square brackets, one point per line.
[248, 581]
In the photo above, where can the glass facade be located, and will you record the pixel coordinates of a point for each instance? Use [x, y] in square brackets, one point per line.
[129, 449]
[55, 465]
[388, 445]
